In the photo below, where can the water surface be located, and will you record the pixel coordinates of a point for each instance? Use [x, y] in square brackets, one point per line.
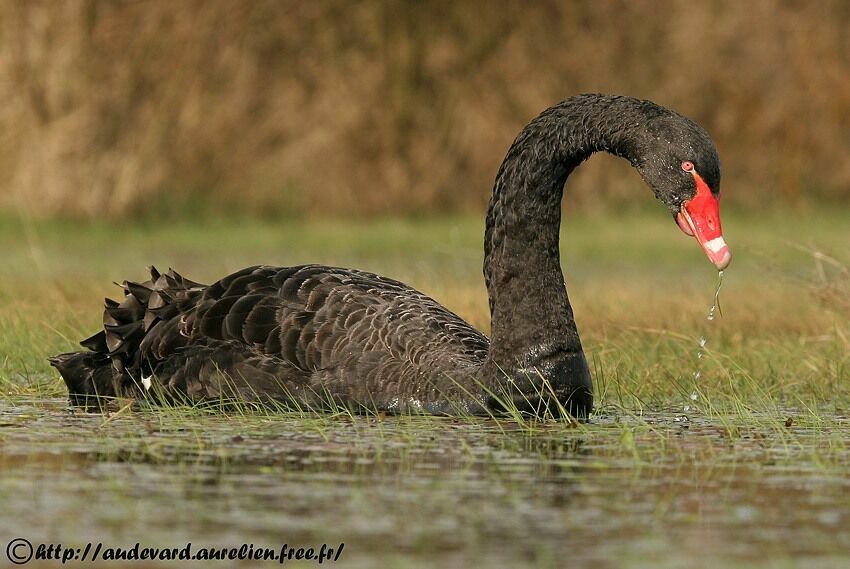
[421, 492]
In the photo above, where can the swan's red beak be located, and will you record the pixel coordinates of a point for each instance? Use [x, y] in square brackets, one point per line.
[700, 217]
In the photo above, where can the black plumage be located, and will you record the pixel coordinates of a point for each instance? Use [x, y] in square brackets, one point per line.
[313, 336]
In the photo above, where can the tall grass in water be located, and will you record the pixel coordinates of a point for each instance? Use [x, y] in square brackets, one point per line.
[780, 348]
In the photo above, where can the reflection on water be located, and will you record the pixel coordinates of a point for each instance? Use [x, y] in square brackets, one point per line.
[413, 492]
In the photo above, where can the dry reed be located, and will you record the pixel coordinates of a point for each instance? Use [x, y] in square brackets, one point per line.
[290, 107]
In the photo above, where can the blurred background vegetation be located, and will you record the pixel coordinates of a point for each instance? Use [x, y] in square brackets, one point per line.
[113, 108]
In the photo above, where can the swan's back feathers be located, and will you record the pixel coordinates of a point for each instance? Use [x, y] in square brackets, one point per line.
[304, 332]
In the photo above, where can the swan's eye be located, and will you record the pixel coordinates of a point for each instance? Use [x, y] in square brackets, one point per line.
[688, 166]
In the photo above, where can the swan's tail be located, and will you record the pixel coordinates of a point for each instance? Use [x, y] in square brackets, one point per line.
[89, 377]
[113, 365]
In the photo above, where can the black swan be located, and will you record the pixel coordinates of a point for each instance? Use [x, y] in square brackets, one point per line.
[314, 337]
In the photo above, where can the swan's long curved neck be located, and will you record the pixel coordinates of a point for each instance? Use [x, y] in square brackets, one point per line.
[531, 317]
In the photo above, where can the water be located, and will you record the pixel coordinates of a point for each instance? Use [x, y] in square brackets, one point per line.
[715, 309]
[485, 493]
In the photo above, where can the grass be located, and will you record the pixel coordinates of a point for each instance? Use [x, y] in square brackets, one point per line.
[757, 462]
[640, 291]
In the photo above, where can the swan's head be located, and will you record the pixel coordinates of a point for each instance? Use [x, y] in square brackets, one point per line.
[679, 161]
